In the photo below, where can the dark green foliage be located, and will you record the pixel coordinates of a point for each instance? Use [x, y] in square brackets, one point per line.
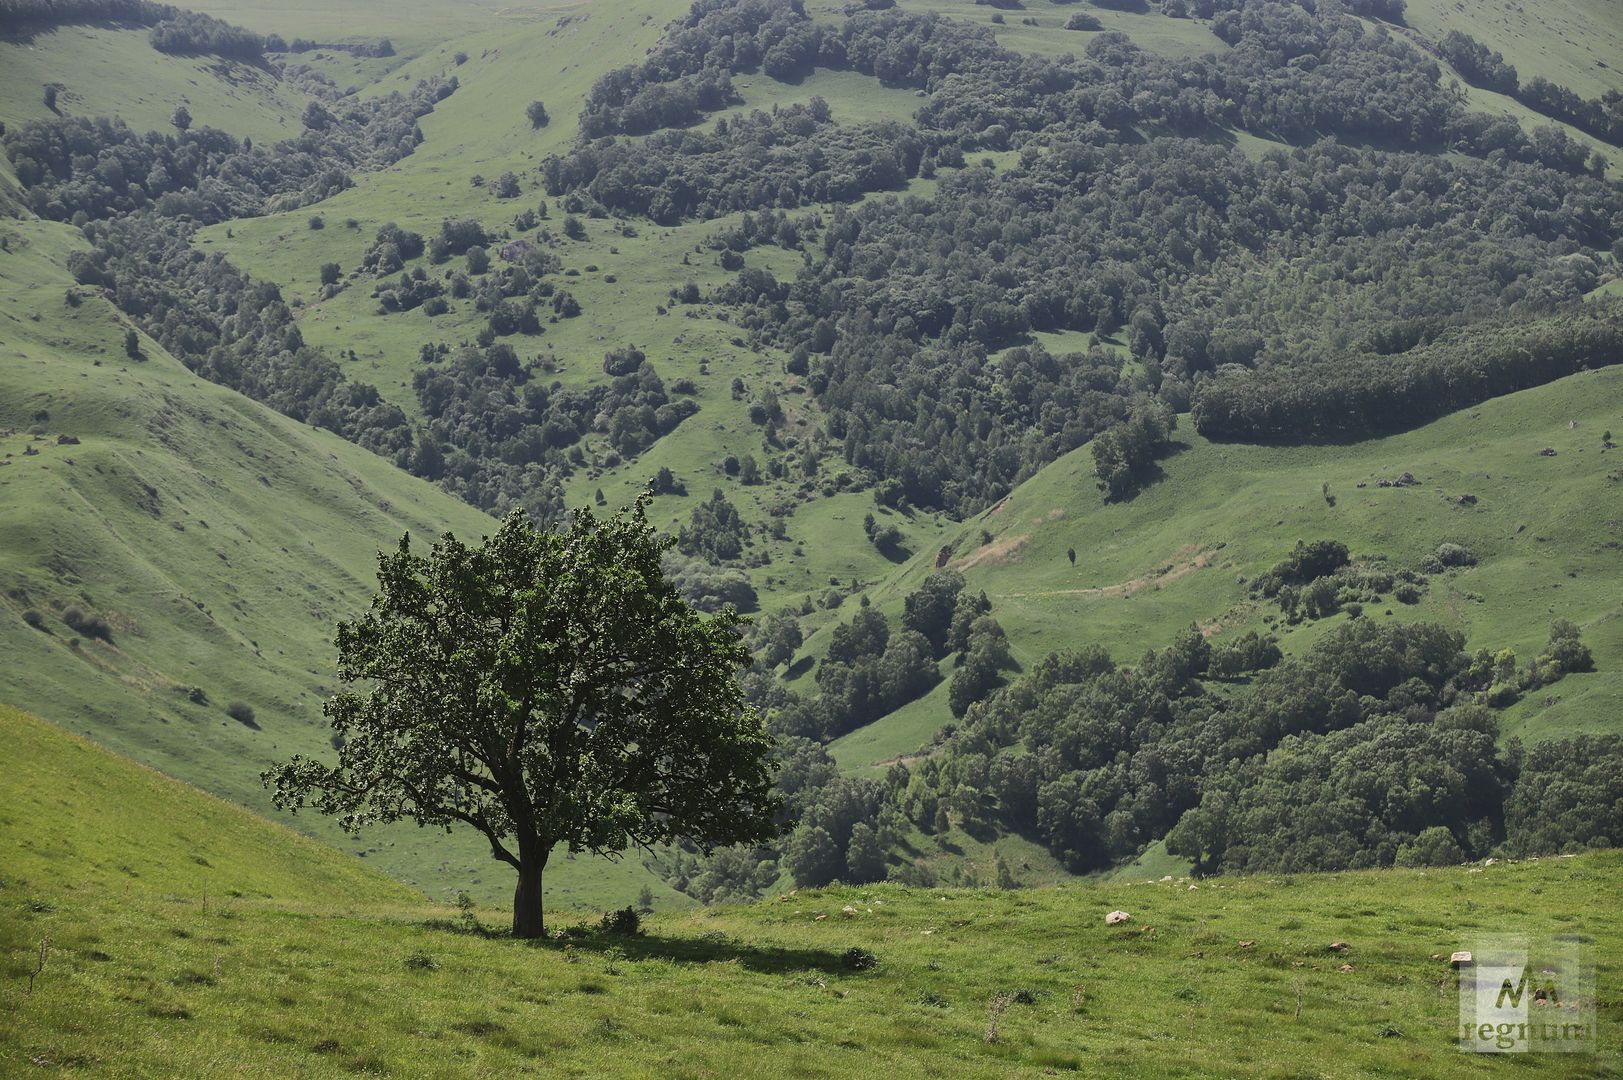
[455, 237]
[242, 713]
[715, 530]
[102, 167]
[1569, 795]
[624, 922]
[544, 713]
[1434, 846]
[1363, 394]
[132, 345]
[1124, 455]
[929, 609]
[1081, 20]
[1477, 64]
[537, 112]
[88, 624]
[330, 273]
[710, 588]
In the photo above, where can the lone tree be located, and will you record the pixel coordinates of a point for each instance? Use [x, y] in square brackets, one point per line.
[544, 688]
[537, 113]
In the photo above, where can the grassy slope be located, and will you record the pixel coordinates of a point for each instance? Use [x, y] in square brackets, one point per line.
[259, 534]
[297, 964]
[118, 73]
[1547, 530]
[482, 131]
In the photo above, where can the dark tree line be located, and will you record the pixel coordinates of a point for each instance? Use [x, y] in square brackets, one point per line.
[1345, 758]
[174, 30]
[1366, 393]
[1481, 66]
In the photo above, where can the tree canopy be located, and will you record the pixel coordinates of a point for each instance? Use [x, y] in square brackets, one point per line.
[545, 688]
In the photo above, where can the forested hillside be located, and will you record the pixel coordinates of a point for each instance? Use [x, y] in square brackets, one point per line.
[1067, 390]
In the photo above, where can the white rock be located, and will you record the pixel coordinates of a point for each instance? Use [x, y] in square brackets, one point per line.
[1117, 917]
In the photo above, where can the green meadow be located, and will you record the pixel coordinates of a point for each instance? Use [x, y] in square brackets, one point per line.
[183, 937]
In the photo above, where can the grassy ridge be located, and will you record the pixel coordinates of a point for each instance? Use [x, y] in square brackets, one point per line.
[1546, 530]
[220, 541]
[321, 969]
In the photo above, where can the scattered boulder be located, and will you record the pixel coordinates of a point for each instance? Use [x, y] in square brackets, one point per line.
[1466, 500]
[1462, 958]
[1117, 917]
[1339, 946]
[67, 440]
[1345, 968]
[1548, 451]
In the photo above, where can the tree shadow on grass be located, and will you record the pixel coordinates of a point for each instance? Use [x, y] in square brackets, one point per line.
[714, 949]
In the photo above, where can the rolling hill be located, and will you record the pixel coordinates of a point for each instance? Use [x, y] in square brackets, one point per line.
[217, 542]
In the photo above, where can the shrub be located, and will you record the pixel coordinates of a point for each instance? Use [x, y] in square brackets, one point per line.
[1455, 555]
[857, 958]
[625, 921]
[1433, 847]
[421, 961]
[242, 713]
[91, 626]
[36, 620]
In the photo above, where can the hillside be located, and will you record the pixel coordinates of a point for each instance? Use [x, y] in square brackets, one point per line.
[300, 962]
[217, 543]
[883, 300]
[1545, 531]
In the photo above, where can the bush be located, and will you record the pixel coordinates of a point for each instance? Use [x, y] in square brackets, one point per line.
[36, 620]
[91, 626]
[1433, 847]
[421, 961]
[1081, 20]
[242, 713]
[1455, 555]
[625, 921]
[859, 959]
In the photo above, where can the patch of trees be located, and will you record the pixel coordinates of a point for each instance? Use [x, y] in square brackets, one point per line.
[1338, 759]
[789, 158]
[189, 33]
[74, 168]
[872, 668]
[1478, 65]
[229, 328]
[1124, 454]
[715, 530]
[1361, 394]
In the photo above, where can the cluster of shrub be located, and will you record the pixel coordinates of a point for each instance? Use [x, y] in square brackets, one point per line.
[174, 30]
[499, 438]
[871, 670]
[1481, 66]
[792, 157]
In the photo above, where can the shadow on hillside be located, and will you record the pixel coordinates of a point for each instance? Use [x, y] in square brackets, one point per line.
[717, 949]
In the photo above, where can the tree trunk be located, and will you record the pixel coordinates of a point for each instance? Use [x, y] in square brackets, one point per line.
[527, 921]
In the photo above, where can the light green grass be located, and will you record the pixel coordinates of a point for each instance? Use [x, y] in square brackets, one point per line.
[298, 965]
[1576, 43]
[118, 73]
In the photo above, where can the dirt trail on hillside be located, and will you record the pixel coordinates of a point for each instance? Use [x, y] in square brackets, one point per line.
[1188, 560]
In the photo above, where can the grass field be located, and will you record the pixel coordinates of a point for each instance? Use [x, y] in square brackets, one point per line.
[301, 963]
